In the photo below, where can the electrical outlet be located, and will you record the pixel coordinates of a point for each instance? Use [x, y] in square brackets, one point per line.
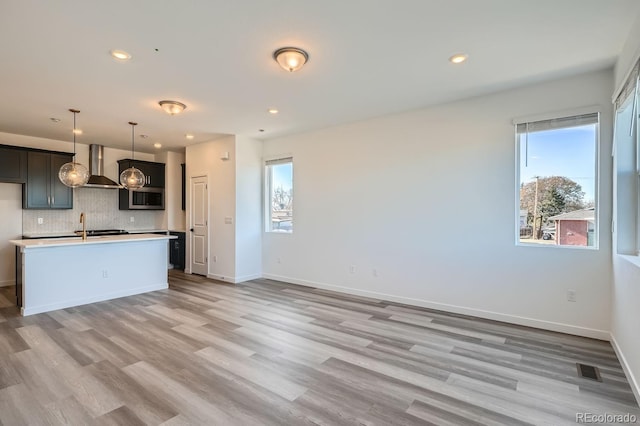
[279, 260]
[40, 221]
[105, 274]
[571, 295]
[375, 272]
[132, 219]
[352, 269]
[215, 259]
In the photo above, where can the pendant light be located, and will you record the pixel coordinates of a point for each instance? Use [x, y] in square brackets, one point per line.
[73, 174]
[132, 178]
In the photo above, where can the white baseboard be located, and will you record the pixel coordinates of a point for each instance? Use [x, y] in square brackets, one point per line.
[7, 283]
[244, 278]
[234, 280]
[633, 382]
[496, 316]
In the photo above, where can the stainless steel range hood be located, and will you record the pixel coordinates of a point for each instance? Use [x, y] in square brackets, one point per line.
[96, 168]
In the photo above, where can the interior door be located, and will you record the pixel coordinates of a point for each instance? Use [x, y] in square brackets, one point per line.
[199, 226]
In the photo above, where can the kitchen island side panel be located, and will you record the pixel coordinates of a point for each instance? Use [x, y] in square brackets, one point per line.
[59, 277]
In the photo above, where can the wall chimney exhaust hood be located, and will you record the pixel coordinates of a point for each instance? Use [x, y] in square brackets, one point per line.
[96, 168]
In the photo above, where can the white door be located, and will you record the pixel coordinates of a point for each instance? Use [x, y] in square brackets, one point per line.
[199, 226]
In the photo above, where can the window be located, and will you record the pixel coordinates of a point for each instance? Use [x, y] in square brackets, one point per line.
[557, 188]
[627, 168]
[279, 191]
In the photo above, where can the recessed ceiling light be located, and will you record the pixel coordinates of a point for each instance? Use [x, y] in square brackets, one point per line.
[77, 131]
[458, 58]
[157, 145]
[189, 136]
[55, 120]
[272, 111]
[261, 130]
[120, 55]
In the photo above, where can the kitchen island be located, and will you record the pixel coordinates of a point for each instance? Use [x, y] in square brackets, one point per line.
[64, 272]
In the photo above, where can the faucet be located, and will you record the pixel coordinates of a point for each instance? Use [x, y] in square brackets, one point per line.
[83, 221]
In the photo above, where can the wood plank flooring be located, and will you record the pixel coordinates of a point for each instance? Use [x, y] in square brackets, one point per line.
[270, 353]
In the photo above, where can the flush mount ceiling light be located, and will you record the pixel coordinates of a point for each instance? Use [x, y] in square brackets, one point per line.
[55, 120]
[272, 111]
[458, 58]
[189, 136]
[120, 55]
[132, 178]
[172, 107]
[157, 145]
[291, 58]
[73, 174]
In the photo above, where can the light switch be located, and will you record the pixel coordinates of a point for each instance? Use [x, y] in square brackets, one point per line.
[228, 220]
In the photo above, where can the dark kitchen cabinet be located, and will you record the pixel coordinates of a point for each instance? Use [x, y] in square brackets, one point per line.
[184, 178]
[177, 250]
[153, 172]
[43, 189]
[13, 164]
[19, 268]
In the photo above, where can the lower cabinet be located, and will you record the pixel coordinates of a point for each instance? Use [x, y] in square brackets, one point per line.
[176, 250]
[19, 267]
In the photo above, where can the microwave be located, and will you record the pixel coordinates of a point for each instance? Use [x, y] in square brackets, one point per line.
[145, 198]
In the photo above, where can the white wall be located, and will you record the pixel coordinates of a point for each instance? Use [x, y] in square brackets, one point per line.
[234, 190]
[11, 229]
[204, 160]
[629, 54]
[625, 304]
[248, 209]
[394, 194]
[173, 217]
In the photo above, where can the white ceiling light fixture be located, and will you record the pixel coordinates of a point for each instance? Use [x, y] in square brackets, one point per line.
[73, 174]
[291, 58]
[132, 178]
[172, 107]
[120, 55]
[273, 111]
[157, 145]
[458, 58]
[189, 136]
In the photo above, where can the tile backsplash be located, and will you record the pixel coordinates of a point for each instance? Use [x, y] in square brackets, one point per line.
[100, 207]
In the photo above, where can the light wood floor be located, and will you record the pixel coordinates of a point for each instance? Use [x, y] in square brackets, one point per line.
[269, 353]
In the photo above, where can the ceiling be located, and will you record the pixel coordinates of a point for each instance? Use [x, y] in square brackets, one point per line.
[366, 58]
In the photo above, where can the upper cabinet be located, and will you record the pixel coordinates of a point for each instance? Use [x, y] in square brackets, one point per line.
[153, 172]
[13, 164]
[43, 189]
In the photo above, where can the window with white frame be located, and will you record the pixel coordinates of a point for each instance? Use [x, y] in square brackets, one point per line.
[626, 154]
[557, 181]
[279, 195]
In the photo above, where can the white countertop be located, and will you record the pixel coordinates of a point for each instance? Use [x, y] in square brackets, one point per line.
[76, 241]
[50, 235]
[145, 231]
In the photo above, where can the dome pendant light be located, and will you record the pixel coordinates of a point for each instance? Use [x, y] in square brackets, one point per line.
[132, 178]
[172, 107]
[73, 174]
[290, 58]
